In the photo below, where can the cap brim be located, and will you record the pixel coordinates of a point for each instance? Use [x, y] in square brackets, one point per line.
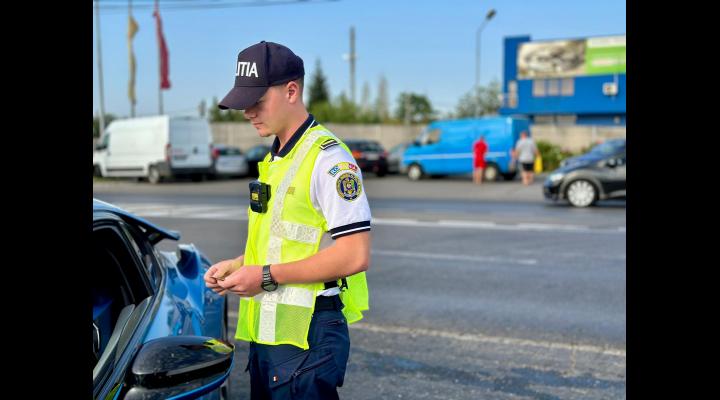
[242, 97]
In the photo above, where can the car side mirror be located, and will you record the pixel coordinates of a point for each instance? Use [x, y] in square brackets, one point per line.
[611, 163]
[182, 366]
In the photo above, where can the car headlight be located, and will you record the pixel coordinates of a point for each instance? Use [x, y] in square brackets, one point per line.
[556, 177]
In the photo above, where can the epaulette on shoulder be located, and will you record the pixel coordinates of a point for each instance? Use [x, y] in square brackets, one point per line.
[328, 144]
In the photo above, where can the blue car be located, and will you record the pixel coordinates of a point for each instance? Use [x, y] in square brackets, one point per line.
[158, 331]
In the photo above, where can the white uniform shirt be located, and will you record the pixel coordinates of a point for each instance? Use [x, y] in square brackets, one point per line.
[338, 193]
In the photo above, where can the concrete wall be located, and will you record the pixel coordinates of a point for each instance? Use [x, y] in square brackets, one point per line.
[575, 137]
[570, 137]
[245, 136]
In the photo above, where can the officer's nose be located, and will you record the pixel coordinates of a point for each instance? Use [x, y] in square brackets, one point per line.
[251, 112]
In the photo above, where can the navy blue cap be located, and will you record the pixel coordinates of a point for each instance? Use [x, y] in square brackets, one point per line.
[258, 67]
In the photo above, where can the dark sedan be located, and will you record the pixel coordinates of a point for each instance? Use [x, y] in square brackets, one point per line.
[596, 175]
[369, 155]
[158, 331]
[254, 155]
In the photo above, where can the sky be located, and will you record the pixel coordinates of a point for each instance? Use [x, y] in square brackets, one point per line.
[425, 47]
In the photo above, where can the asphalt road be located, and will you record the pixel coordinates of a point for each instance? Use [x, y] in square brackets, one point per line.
[476, 292]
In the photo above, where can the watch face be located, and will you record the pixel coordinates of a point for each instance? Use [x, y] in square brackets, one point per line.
[269, 286]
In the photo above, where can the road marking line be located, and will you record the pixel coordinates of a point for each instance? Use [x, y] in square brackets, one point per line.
[480, 338]
[524, 261]
[236, 213]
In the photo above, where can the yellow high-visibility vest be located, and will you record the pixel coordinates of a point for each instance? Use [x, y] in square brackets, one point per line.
[291, 230]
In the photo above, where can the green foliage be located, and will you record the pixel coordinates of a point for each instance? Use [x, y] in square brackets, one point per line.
[318, 89]
[415, 108]
[483, 100]
[552, 154]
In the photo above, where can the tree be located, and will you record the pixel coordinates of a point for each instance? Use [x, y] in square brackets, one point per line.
[483, 100]
[318, 89]
[382, 104]
[365, 98]
[412, 107]
[96, 123]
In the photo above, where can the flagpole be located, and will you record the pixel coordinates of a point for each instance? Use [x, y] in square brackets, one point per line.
[160, 97]
[100, 76]
[132, 103]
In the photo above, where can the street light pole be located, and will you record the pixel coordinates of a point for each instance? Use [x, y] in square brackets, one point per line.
[488, 17]
[100, 75]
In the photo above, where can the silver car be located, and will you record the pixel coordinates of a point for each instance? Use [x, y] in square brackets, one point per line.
[228, 161]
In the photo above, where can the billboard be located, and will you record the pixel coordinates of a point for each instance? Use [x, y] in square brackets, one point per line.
[568, 58]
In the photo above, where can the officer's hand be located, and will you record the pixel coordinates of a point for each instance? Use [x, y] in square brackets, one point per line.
[245, 281]
[218, 270]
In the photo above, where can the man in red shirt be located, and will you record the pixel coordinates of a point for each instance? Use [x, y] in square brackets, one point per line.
[479, 150]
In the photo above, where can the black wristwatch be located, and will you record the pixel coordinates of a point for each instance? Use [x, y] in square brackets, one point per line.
[268, 284]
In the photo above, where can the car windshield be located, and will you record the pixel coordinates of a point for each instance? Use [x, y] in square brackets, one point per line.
[609, 147]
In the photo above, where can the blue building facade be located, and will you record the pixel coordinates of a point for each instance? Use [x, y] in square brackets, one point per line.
[572, 81]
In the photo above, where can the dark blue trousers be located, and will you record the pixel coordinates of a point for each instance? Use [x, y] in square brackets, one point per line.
[289, 372]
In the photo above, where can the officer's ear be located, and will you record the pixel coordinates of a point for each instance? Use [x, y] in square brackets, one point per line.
[293, 91]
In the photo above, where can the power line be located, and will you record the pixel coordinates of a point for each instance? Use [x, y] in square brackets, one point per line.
[177, 5]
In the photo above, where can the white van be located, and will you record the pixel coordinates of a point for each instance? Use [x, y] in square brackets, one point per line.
[155, 148]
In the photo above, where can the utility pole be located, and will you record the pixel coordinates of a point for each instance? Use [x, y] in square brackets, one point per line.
[100, 75]
[352, 64]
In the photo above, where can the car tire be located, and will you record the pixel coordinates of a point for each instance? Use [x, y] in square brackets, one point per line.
[415, 172]
[97, 171]
[381, 172]
[509, 176]
[581, 193]
[491, 173]
[154, 176]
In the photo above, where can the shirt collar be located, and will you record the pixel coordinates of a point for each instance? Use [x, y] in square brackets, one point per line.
[309, 122]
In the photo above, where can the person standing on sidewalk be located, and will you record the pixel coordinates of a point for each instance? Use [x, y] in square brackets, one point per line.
[292, 309]
[525, 152]
[479, 150]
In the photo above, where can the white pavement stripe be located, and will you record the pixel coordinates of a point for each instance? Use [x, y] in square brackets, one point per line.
[523, 261]
[478, 337]
[238, 213]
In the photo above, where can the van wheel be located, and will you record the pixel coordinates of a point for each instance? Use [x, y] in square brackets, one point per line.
[97, 171]
[491, 173]
[509, 176]
[415, 172]
[154, 176]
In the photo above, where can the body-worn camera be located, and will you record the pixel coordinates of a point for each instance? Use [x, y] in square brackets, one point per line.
[259, 196]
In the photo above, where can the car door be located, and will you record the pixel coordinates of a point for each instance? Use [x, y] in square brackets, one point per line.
[124, 297]
[616, 175]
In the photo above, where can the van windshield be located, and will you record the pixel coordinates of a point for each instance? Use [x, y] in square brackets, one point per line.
[428, 136]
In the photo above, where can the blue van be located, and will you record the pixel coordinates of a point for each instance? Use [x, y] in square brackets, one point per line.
[446, 147]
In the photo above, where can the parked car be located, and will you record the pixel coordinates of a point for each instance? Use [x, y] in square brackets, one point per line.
[446, 147]
[596, 175]
[154, 148]
[369, 155]
[158, 331]
[228, 161]
[395, 154]
[254, 155]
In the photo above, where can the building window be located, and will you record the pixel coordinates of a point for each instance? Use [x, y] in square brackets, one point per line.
[512, 94]
[566, 119]
[567, 87]
[553, 87]
[538, 89]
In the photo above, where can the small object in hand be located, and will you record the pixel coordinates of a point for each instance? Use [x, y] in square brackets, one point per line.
[220, 278]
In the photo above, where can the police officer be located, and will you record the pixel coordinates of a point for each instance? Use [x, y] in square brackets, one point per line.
[301, 279]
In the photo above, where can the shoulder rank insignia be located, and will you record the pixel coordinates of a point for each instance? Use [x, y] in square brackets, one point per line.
[328, 144]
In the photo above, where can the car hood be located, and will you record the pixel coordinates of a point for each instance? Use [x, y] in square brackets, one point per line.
[154, 233]
[583, 160]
